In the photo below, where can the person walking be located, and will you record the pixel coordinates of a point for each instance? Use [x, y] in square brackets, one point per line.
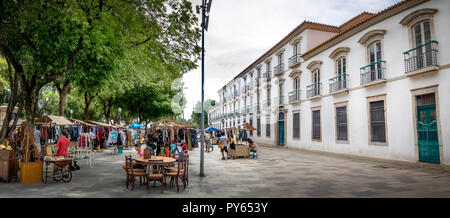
[223, 142]
[232, 148]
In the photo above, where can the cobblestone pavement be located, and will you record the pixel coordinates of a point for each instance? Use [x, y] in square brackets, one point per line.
[278, 172]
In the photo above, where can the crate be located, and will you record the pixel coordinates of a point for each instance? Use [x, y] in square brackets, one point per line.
[31, 172]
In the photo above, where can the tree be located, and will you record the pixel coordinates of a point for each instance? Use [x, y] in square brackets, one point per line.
[47, 40]
[147, 101]
[196, 116]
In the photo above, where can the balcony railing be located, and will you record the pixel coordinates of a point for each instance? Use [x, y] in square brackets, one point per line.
[294, 60]
[314, 90]
[373, 72]
[338, 83]
[422, 56]
[267, 103]
[279, 101]
[267, 75]
[295, 95]
[256, 107]
[278, 69]
[248, 109]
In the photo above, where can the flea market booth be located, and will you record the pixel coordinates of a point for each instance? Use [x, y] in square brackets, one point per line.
[31, 165]
[240, 137]
[174, 131]
[100, 132]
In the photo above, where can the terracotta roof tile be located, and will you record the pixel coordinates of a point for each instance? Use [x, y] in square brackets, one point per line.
[355, 25]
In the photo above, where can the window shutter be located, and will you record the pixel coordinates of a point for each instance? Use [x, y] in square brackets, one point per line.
[296, 124]
[316, 124]
[341, 123]
[377, 122]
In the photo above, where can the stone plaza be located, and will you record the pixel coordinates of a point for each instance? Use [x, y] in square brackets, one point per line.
[278, 172]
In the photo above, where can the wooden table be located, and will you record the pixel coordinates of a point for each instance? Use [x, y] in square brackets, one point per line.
[165, 160]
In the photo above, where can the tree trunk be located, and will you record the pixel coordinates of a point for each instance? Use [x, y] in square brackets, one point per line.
[63, 89]
[87, 103]
[13, 99]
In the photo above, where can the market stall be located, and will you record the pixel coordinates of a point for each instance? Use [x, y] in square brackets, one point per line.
[174, 132]
[99, 134]
[240, 136]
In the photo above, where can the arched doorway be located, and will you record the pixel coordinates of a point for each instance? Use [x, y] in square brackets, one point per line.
[281, 139]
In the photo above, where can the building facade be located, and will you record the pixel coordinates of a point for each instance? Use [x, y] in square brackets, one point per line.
[375, 86]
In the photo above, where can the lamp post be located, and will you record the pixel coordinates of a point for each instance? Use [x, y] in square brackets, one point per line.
[206, 6]
[120, 114]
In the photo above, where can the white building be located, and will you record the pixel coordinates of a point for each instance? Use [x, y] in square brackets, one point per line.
[376, 86]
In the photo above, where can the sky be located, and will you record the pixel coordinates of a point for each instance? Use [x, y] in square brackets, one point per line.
[240, 31]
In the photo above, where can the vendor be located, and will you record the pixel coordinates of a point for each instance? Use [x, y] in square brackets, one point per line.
[63, 145]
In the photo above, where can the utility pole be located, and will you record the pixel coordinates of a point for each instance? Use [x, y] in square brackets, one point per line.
[206, 6]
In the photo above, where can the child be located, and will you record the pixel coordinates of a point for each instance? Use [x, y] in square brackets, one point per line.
[139, 153]
[252, 147]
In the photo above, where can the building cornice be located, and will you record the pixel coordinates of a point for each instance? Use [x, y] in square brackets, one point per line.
[362, 25]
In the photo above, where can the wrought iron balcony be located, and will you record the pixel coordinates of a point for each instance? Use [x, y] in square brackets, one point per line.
[278, 69]
[267, 75]
[295, 95]
[256, 107]
[267, 103]
[314, 90]
[373, 72]
[279, 101]
[294, 60]
[422, 56]
[338, 83]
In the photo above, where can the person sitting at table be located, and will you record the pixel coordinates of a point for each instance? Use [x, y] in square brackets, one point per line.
[252, 147]
[138, 153]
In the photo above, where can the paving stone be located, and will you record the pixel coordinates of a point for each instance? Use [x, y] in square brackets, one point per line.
[278, 172]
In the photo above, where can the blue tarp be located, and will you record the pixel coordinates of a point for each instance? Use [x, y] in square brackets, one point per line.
[135, 126]
[212, 129]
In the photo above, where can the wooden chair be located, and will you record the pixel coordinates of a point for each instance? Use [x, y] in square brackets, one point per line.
[180, 172]
[132, 173]
[155, 172]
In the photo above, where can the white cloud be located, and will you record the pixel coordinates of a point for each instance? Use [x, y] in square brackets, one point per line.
[240, 31]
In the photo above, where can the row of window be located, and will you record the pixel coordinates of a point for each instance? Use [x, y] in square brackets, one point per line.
[377, 123]
[423, 55]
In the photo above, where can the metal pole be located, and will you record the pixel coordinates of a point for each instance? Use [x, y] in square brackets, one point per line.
[202, 173]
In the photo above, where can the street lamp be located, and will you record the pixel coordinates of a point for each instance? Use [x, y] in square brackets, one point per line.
[120, 114]
[71, 112]
[206, 7]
